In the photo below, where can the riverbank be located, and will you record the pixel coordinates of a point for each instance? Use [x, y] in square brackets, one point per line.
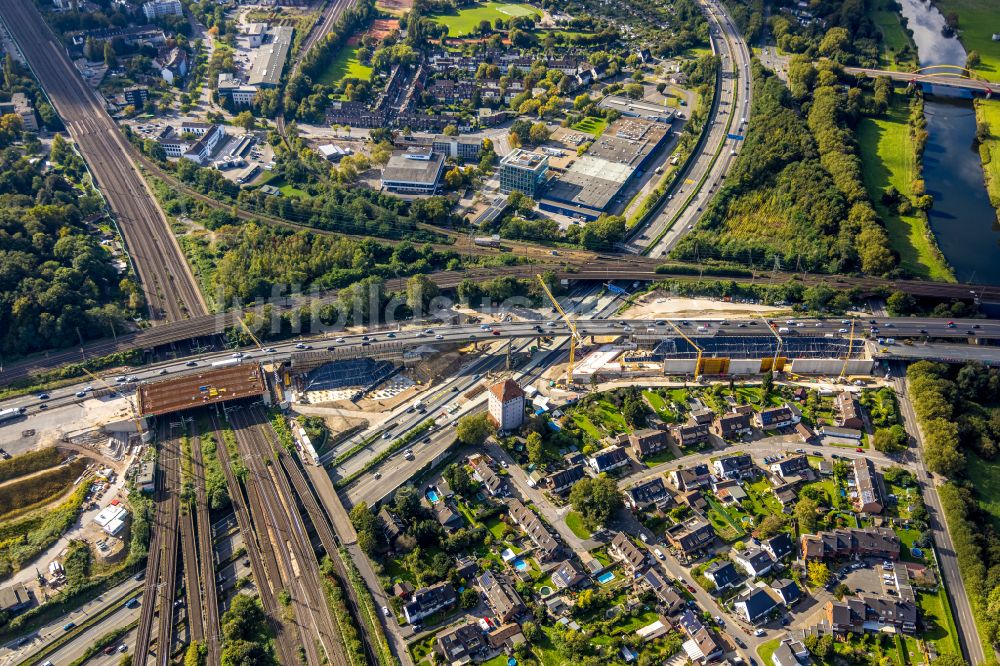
[988, 113]
[889, 158]
[977, 21]
[897, 51]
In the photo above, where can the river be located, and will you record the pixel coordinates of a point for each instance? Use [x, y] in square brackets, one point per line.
[962, 218]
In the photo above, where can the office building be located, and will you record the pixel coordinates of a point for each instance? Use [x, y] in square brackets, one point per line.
[416, 171]
[524, 172]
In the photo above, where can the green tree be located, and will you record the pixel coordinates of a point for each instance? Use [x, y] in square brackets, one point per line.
[473, 430]
[805, 514]
[460, 480]
[450, 130]
[536, 452]
[819, 573]
[771, 525]
[420, 290]
[890, 440]
[110, 59]
[973, 60]
[245, 120]
[596, 500]
[470, 597]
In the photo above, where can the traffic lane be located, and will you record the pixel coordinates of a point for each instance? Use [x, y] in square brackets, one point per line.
[75, 648]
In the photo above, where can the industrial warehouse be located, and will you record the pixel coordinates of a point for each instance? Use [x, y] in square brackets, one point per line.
[592, 181]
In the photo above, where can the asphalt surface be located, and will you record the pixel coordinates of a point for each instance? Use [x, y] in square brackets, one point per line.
[968, 632]
[168, 284]
[685, 202]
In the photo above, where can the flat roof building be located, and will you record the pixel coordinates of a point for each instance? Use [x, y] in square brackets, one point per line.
[637, 108]
[413, 172]
[270, 59]
[523, 171]
[593, 180]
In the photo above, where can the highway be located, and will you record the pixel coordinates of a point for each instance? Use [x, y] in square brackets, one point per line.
[380, 343]
[396, 469]
[170, 289]
[968, 632]
[596, 269]
[705, 171]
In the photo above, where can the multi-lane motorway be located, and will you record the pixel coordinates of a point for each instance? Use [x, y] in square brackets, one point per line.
[169, 287]
[730, 109]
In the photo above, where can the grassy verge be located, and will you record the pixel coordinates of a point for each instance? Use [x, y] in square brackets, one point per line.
[395, 446]
[889, 159]
[23, 539]
[988, 114]
[985, 477]
[21, 496]
[898, 51]
[334, 593]
[368, 611]
[765, 650]
[977, 21]
[28, 463]
[574, 521]
[935, 611]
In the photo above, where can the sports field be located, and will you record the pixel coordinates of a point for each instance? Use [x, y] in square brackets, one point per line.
[467, 21]
[345, 65]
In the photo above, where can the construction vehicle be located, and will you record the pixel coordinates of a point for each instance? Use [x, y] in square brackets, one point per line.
[574, 337]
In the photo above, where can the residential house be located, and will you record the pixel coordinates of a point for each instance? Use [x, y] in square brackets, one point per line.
[755, 561]
[546, 545]
[790, 652]
[868, 487]
[723, 574]
[851, 542]
[567, 575]
[735, 467]
[754, 606]
[493, 482]
[429, 600]
[666, 595]
[632, 557]
[729, 492]
[793, 468]
[691, 477]
[848, 411]
[846, 435]
[700, 646]
[447, 517]
[871, 613]
[392, 526]
[694, 499]
[772, 418]
[461, 644]
[562, 481]
[702, 416]
[779, 546]
[466, 567]
[19, 105]
[692, 536]
[786, 591]
[608, 459]
[506, 405]
[507, 636]
[804, 432]
[648, 494]
[173, 64]
[690, 434]
[648, 442]
[501, 596]
[733, 426]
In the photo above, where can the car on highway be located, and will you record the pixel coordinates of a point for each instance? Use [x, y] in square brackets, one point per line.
[270, 350]
[163, 371]
[339, 340]
[385, 611]
[391, 336]
[439, 337]
[43, 396]
[69, 626]
[191, 364]
[81, 394]
[300, 345]
[377, 475]
[132, 603]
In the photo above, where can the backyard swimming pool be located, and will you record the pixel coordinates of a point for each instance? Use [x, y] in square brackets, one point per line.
[606, 577]
[432, 496]
[520, 564]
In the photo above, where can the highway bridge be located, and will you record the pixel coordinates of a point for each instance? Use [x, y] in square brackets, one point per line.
[601, 269]
[948, 76]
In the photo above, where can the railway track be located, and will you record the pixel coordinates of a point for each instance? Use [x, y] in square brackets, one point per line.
[168, 284]
[297, 562]
[145, 626]
[192, 590]
[256, 549]
[170, 460]
[206, 555]
[328, 539]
